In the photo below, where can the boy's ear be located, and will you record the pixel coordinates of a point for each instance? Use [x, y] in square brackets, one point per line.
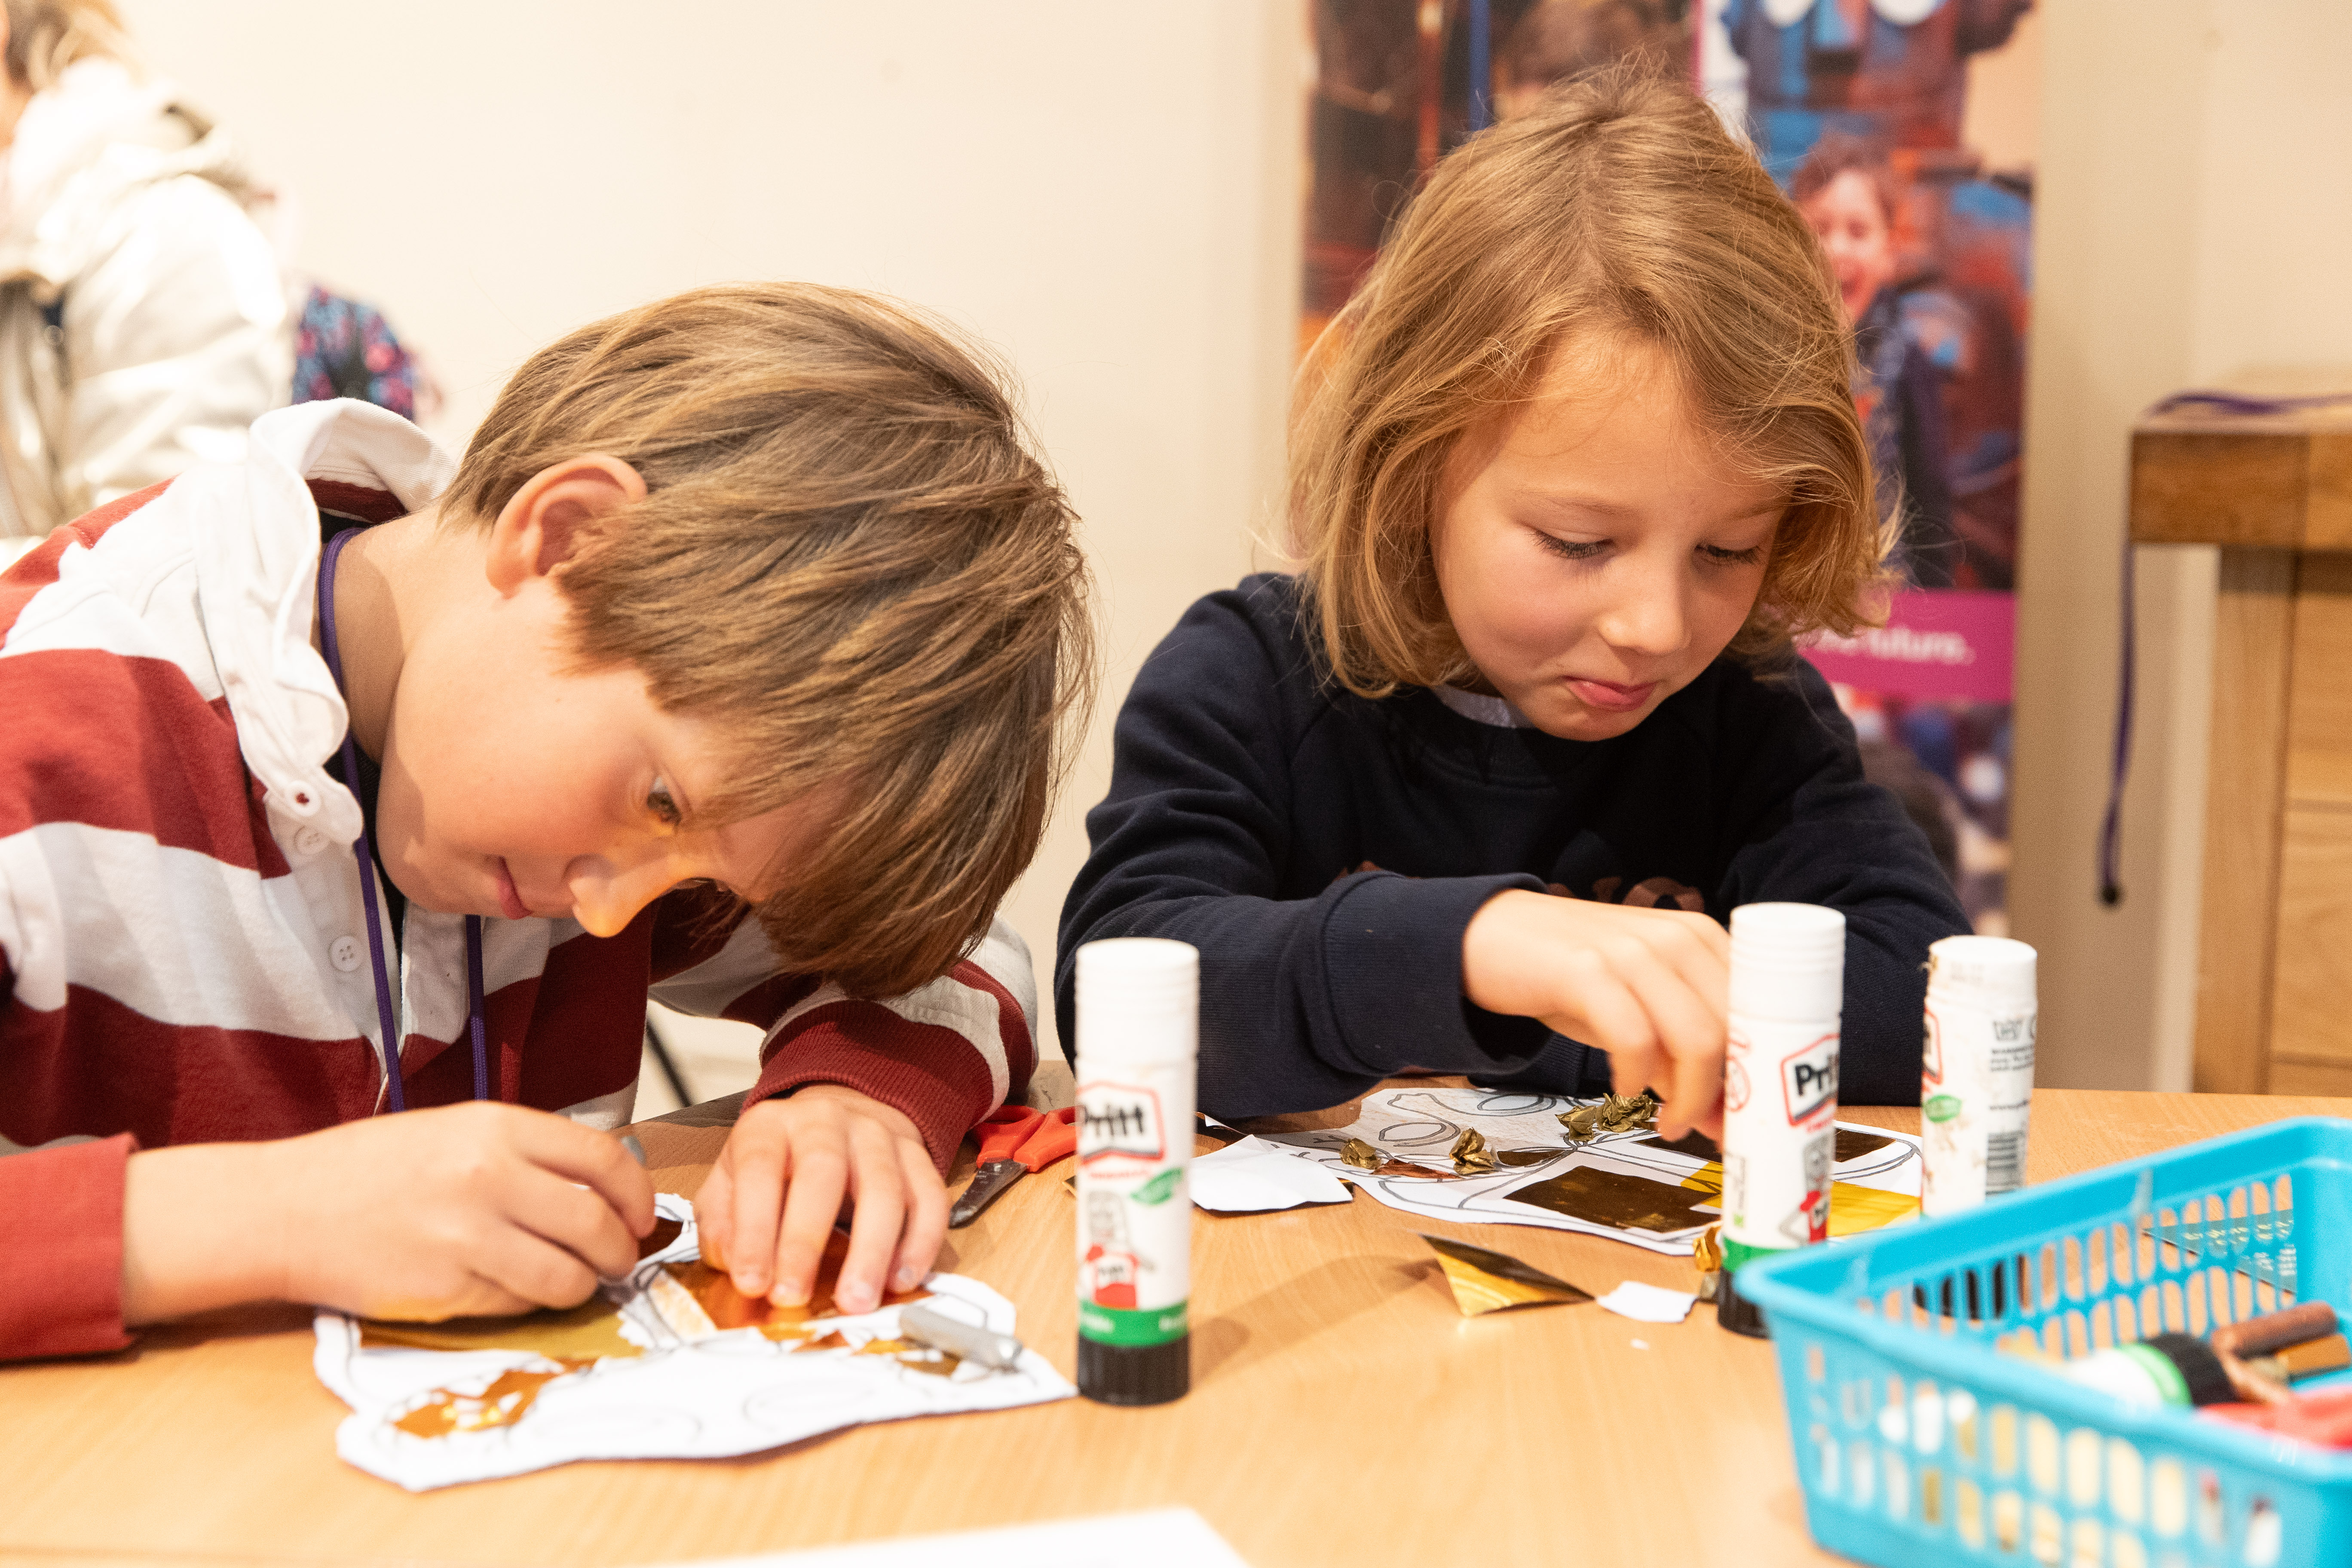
[552, 518]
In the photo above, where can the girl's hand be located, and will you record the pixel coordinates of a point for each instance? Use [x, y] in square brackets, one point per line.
[1648, 986]
[790, 1169]
[447, 1213]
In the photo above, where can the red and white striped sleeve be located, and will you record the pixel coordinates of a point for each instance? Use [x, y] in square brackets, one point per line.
[946, 1053]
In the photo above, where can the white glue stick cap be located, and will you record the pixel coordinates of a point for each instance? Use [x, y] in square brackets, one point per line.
[1139, 999]
[1989, 971]
[1788, 962]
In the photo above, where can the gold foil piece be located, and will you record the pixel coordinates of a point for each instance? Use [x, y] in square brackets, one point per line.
[832, 1341]
[1707, 1254]
[1858, 1208]
[1616, 1199]
[1484, 1280]
[1407, 1168]
[509, 1396]
[1360, 1155]
[1582, 1123]
[589, 1331]
[920, 1358]
[1471, 1155]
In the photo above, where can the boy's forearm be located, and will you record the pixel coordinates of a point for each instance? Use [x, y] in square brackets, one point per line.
[199, 1231]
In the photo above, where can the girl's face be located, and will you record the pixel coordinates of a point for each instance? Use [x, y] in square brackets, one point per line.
[1853, 226]
[1597, 550]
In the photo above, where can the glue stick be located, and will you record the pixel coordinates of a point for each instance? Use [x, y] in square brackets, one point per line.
[1976, 1071]
[1779, 1089]
[1138, 1000]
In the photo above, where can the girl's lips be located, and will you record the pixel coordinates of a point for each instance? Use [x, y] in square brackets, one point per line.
[1610, 697]
[510, 901]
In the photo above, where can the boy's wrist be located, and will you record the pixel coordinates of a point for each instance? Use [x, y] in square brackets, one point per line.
[202, 1227]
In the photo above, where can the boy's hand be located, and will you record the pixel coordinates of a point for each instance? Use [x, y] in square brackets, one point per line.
[1648, 986]
[789, 1169]
[452, 1211]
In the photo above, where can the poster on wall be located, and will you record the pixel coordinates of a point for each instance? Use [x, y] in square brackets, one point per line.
[1903, 130]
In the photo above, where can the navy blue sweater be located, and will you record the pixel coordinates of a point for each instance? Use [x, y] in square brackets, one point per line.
[1325, 852]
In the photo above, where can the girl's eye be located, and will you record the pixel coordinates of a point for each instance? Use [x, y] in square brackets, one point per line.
[1572, 549]
[1717, 557]
[659, 801]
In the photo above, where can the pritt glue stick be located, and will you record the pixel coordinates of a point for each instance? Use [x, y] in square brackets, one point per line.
[1779, 1089]
[1138, 1000]
[1976, 1071]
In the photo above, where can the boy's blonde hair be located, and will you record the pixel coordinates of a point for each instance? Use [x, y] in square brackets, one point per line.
[1619, 206]
[848, 555]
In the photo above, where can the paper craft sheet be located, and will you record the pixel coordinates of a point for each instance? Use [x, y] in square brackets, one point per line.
[657, 1379]
[1657, 1197]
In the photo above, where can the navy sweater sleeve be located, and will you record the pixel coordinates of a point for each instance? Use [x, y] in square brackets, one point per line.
[1305, 1002]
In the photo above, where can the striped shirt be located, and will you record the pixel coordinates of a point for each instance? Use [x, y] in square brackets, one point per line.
[182, 945]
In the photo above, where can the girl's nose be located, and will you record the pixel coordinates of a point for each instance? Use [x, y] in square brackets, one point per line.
[608, 889]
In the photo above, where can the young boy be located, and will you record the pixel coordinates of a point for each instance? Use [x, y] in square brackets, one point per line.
[727, 666]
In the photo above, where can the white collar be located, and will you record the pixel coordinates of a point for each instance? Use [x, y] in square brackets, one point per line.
[256, 534]
[1479, 710]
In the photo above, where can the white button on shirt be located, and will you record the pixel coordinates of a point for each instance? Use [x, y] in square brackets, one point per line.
[346, 952]
[308, 841]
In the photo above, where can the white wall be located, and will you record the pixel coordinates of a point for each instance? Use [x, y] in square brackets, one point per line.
[1107, 193]
[2194, 210]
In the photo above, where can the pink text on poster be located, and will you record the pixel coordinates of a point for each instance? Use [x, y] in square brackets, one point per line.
[1939, 646]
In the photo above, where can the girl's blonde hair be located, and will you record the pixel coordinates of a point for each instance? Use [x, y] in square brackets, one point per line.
[45, 37]
[1619, 206]
[849, 557]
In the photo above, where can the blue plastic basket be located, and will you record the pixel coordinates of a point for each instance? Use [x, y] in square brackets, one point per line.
[1919, 1444]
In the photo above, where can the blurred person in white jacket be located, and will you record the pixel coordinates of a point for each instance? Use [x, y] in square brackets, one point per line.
[143, 321]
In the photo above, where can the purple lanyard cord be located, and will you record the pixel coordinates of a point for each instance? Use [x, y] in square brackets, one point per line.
[364, 851]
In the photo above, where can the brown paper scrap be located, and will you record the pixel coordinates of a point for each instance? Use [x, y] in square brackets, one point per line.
[1360, 1155]
[1615, 1199]
[1484, 1280]
[1407, 1168]
[1471, 1155]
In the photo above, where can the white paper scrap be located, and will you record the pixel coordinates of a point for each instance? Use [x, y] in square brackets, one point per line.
[1162, 1537]
[1251, 1175]
[691, 1392]
[1416, 1128]
[1648, 1303]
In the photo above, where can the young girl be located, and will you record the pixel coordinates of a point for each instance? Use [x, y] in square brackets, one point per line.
[1473, 790]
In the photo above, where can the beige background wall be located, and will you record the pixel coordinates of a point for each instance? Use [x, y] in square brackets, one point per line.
[2194, 212]
[1105, 192]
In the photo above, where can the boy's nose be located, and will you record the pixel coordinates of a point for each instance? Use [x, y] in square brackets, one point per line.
[1646, 617]
[608, 889]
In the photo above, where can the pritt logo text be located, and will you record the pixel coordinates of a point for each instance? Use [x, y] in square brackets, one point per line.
[1119, 1121]
[1809, 1080]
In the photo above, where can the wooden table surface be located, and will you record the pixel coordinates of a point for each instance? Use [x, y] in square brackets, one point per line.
[1343, 1413]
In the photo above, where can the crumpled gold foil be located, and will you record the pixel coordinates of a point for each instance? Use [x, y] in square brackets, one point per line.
[1484, 1280]
[1360, 1155]
[1471, 1155]
[1623, 1112]
[1612, 1113]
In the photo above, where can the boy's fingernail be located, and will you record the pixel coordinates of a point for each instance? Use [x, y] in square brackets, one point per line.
[904, 1280]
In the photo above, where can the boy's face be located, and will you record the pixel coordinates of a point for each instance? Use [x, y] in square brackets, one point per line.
[515, 786]
[1597, 551]
[1853, 229]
